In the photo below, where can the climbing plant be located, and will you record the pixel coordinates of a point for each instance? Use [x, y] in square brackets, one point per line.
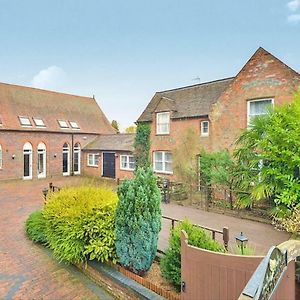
[142, 145]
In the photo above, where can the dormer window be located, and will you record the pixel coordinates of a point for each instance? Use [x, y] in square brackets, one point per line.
[25, 121]
[74, 125]
[205, 128]
[163, 123]
[39, 122]
[63, 124]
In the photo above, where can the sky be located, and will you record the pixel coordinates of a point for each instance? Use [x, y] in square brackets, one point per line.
[122, 52]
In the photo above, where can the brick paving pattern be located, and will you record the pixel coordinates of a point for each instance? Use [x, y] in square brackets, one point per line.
[28, 271]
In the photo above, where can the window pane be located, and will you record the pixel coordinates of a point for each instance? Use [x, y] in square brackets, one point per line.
[90, 159]
[74, 125]
[259, 107]
[131, 162]
[63, 124]
[97, 156]
[39, 122]
[158, 166]
[25, 121]
[168, 156]
[158, 156]
[124, 161]
[168, 166]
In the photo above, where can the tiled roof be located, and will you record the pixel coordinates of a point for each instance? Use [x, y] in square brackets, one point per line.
[16, 101]
[187, 102]
[113, 142]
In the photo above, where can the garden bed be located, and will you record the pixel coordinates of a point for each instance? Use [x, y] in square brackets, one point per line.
[154, 281]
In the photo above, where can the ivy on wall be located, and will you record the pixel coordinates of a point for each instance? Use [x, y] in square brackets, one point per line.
[142, 145]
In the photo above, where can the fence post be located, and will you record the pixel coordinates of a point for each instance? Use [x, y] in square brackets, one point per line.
[225, 237]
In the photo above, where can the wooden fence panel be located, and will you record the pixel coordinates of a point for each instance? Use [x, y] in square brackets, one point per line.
[210, 275]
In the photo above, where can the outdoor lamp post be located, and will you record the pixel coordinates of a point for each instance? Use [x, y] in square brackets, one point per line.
[241, 241]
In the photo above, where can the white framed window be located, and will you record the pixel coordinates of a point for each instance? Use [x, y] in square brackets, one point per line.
[163, 123]
[39, 122]
[74, 125]
[63, 124]
[1, 158]
[205, 128]
[258, 108]
[162, 162]
[127, 162]
[25, 121]
[93, 159]
[41, 161]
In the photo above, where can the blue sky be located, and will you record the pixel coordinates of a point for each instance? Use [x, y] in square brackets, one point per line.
[124, 51]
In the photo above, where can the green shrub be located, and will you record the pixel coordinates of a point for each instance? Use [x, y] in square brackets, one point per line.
[171, 262]
[35, 227]
[138, 221]
[80, 224]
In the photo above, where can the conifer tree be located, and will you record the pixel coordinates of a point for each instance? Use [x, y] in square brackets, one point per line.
[138, 221]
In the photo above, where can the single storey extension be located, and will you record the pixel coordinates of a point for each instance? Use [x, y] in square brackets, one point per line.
[110, 156]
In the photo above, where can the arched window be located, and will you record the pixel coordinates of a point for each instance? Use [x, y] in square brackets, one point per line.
[66, 159]
[27, 159]
[1, 157]
[41, 165]
[76, 158]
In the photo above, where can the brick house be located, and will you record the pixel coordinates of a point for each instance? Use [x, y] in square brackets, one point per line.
[217, 111]
[42, 133]
[110, 156]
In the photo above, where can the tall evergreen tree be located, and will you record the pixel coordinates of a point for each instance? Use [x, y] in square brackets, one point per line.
[138, 221]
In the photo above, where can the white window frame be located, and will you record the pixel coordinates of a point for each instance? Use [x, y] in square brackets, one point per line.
[39, 122]
[256, 100]
[158, 124]
[93, 155]
[163, 162]
[127, 156]
[77, 150]
[42, 150]
[1, 158]
[25, 118]
[60, 122]
[202, 127]
[74, 125]
[27, 150]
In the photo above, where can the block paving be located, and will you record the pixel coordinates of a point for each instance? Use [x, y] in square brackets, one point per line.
[27, 270]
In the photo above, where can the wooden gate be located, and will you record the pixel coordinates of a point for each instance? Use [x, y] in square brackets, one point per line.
[208, 275]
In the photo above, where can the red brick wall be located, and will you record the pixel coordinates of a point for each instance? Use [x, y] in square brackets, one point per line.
[263, 76]
[170, 142]
[12, 144]
[97, 171]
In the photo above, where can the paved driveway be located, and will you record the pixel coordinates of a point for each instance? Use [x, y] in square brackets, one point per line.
[261, 236]
[28, 271]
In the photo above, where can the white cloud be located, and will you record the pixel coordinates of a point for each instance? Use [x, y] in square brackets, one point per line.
[293, 5]
[52, 77]
[294, 19]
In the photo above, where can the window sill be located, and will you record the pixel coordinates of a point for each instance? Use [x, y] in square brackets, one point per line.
[128, 170]
[163, 172]
[204, 135]
[162, 134]
[92, 166]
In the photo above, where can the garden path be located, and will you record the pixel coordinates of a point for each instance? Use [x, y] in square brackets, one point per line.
[261, 236]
